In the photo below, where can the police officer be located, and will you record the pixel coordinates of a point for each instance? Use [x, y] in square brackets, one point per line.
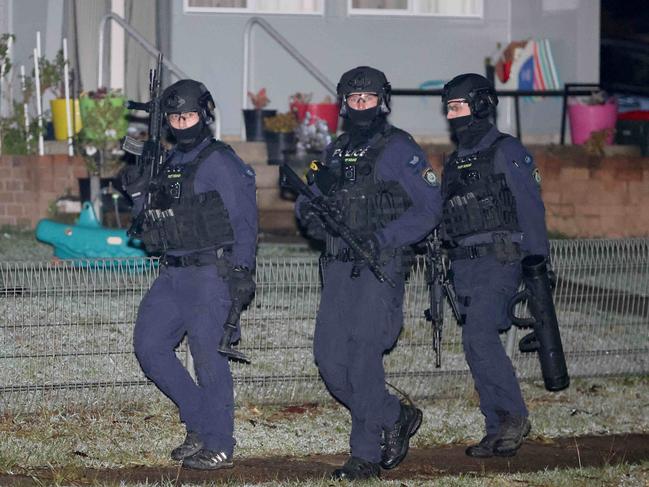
[378, 178]
[493, 217]
[203, 220]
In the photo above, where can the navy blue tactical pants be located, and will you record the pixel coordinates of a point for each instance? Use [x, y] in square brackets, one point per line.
[489, 285]
[358, 320]
[193, 301]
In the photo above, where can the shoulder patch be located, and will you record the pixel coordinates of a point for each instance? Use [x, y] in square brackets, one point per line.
[536, 174]
[430, 177]
[414, 161]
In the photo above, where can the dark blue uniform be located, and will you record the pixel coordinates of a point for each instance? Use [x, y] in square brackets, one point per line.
[485, 283]
[360, 318]
[194, 300]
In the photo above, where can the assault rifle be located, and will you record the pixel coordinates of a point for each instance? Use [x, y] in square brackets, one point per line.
[150, 154]
[439, 287]
[333, 220]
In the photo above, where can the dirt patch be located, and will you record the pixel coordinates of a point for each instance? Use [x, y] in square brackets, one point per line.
[421, 463]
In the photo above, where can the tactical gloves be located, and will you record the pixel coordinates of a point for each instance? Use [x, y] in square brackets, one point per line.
[134, 182]
[311, 222]
[241, 284]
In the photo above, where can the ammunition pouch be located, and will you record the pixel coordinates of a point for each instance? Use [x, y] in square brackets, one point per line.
[505, 251]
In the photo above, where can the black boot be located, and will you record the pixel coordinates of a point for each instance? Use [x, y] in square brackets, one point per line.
[396, 440]
[188, 447]
[513, 430]
[484, 449]
[357, 469]
[208, 460]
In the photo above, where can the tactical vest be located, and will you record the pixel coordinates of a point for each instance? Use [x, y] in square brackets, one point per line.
[178, 218]
[476, 199]
[366, 203]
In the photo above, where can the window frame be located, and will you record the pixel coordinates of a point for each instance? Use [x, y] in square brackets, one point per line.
[410, 11]
[251, 10]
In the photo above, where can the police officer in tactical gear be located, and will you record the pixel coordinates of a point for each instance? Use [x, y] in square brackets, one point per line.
[202, 218]
[379, 180]
[493, 216]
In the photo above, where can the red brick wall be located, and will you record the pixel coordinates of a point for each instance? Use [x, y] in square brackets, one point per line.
[29, 184]
[588, 196]
[594, 196]
[584, 196]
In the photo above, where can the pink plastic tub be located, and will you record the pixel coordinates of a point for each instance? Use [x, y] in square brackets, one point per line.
[585, 119]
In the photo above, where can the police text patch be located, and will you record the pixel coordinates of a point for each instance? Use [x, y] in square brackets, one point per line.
[430, 177]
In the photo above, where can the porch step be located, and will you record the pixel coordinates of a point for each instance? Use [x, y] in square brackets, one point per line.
[252, 153]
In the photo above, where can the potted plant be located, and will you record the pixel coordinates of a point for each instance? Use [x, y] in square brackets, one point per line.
[254, 118]
[312, 138]
[280, 136]
[104, 125]
[51, 77]
[326, 110]
[592, 114]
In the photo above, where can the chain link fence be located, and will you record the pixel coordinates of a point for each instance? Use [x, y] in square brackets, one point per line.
[66, 329]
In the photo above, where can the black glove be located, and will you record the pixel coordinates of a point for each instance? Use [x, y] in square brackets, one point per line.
[312, 223]
[134, 182]
[241, 284]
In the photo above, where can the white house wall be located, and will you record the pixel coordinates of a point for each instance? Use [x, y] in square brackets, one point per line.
[410, 51]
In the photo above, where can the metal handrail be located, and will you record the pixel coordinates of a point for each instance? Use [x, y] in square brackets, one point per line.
[152, 51]
[288, 47]
[568, 90]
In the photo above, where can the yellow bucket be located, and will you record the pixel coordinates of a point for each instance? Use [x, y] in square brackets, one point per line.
[60, 119]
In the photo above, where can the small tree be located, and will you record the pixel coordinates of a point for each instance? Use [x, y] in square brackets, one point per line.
[51, 75]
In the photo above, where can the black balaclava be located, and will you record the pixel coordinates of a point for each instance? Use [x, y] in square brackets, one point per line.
[481, 97]
[364, 79]
[468, 131]
[360, 134]
[188, 95]
[188, 138]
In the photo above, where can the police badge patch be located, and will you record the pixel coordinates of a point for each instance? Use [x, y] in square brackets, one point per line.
[430, 177]
[536, 174]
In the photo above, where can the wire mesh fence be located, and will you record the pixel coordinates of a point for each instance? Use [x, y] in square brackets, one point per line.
[66, 329]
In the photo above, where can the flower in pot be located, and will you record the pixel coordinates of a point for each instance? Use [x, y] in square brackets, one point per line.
[298, 102]
[312, 137]
[254, 117]
[326, 110]
[51, 77]
[280, 137]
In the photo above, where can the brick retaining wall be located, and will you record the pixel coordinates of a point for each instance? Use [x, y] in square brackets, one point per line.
[587, 196]
[584, 196]
[29, 184]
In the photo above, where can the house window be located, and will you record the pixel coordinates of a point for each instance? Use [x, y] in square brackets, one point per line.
[255, 6]
[446, 8]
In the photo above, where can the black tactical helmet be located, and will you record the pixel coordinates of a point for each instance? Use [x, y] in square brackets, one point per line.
[475, 89]
[188, 95]
[364, 79]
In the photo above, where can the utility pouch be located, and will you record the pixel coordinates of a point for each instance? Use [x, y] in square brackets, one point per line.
[504, 249]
